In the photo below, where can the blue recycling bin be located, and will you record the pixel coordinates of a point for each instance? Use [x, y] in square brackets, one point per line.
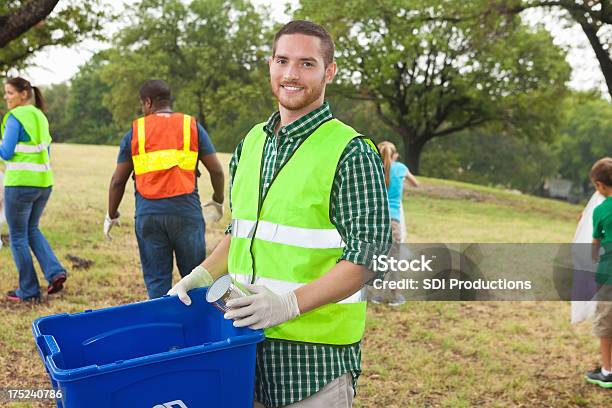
[153, 354]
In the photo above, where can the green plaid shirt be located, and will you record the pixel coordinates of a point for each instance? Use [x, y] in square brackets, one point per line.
[286, 371]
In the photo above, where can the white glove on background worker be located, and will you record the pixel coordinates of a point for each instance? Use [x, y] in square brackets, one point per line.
[109, 223]
[262, 309]
[218, 210]
[197, 278]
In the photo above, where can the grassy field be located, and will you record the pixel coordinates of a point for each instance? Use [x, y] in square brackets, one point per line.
[423, 354]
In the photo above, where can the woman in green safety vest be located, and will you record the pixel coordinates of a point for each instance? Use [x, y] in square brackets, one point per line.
[28, 180]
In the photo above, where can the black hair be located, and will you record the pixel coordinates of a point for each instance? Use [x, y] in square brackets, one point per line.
[157, 90]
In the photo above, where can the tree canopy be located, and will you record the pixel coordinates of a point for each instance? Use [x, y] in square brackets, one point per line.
[430, 75]
[212, 52]
[595, 19]
[27, 27]
[586, 136]
[482, 99]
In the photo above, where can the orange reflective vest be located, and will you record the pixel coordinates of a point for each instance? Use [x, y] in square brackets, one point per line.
[165, 154]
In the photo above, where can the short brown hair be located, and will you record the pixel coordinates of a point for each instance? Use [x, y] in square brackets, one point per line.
[602, 171]
[309, 28]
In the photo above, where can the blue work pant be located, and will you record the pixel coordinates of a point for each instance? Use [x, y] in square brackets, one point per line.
[160, 238]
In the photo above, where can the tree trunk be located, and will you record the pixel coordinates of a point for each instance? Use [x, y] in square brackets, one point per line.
[14, 24]
[412, 152]
[605, 62]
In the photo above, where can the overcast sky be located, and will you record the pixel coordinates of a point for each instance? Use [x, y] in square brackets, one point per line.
[60, 64]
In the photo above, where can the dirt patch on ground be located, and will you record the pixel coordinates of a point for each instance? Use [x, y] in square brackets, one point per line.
[454, 192]
[79, 263]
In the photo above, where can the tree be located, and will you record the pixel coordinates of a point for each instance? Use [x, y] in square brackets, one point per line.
[55, 99]
[595, 19]
[431, 75]
[475, 155]
[87, 119]
[212, 52]
[362, 115]
[585, 137]
[29, 26]
[472, 156]
[19, 20]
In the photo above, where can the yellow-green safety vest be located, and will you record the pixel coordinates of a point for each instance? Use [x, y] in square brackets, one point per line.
[287, 240]
[30, 165]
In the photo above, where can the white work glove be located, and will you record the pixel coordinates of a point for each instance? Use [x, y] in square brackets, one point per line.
[218, 210]
[109, 223]
[197, 278]
[262, 309]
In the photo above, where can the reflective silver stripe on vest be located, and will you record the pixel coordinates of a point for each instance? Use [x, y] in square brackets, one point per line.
[280, 287]
[243, 228]
[284, 234]
[39, 168]
[24, 148]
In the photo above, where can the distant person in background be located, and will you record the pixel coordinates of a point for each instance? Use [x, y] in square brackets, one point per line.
[27, 187]
[162, 150]
[396, 175]
[601, 176]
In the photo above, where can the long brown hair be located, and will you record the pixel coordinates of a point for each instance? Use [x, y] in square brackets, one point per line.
[21, 85]
[387, 151]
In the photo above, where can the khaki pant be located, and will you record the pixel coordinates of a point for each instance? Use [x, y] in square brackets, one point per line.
[602, 320]
[336, 394]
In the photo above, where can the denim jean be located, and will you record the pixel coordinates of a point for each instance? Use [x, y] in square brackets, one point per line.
[24, 207]
[160, 238]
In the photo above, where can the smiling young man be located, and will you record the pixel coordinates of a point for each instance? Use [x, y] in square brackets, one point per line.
[309, 213]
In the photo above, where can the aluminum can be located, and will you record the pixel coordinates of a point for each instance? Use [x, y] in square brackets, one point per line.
[224, 289]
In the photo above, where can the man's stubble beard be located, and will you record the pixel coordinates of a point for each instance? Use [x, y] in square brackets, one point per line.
[309, 96]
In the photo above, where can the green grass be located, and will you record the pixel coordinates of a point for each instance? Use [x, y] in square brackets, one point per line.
[448, 211]
[423, 354]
